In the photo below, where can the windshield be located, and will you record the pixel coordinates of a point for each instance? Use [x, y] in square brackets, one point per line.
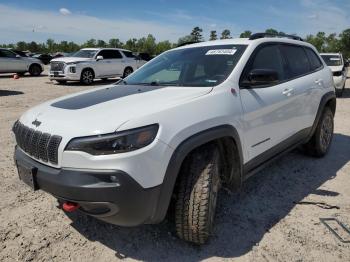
[332, 60]
[197, 66]
[85, 53]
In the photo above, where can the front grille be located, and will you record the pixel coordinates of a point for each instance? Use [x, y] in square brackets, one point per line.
[56, 66]
[42, 146]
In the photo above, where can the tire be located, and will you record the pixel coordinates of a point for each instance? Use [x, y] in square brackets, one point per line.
[319, 143]
[87, 77]
[60, 82]
[35, 70]
[197, 195]
[127, 71]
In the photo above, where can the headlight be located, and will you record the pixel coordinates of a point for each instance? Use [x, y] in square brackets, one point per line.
[119, 142]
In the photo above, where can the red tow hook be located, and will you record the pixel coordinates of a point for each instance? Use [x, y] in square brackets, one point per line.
[70, 206]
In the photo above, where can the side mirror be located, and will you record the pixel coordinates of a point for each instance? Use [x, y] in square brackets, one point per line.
[99, 57]
[260, 78]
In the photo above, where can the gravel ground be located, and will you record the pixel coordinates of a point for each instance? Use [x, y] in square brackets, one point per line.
[275, 217]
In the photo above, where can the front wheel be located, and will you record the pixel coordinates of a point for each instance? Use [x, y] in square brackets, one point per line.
[87, 77]
[127, 71]
[319, 143]
[197, 195]
[35, 70]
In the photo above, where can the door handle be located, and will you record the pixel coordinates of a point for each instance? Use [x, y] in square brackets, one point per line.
[287, 92]
[319, 82]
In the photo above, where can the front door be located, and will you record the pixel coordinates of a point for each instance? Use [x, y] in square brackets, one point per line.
[268, 110]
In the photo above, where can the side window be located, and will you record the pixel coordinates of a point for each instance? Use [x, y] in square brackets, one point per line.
[315, 62]
[268, 57]
[128, 54]
[116, 54]
[104, 53]
[7, 53]
[110, 54]
[297, 61]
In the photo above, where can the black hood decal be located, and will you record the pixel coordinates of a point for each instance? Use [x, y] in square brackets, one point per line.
[103, 95]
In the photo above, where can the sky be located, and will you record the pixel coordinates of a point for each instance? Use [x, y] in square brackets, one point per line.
[80, 20]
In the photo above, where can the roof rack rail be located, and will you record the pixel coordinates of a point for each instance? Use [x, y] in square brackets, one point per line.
[262, 35]
[188, 43]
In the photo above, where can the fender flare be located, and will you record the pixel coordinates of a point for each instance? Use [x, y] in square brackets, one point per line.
[178, 157]
[327, 97]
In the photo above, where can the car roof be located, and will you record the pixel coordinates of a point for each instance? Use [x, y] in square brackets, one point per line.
[104, 48]
[247, 41]
[338, 54]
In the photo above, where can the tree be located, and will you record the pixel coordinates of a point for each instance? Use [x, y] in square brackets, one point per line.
[345, 42]
[21, 46]
[185, 39]
[226, 34]
[115, 42]
[197, 34]
[163, 46]
[131, 44]
[213, 35]
[101, 43]
[271, 31]
[245, 34]
[318, 41]
[90, 43]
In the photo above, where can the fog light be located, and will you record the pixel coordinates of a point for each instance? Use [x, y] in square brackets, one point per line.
[72, 69]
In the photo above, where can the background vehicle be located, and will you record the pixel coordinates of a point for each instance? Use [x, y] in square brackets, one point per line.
[91, 63]
[339, 67]
[172, 133]
[10, 62]
[21, 53]
[44, 58]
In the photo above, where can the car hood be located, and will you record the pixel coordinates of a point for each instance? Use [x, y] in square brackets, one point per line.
[104, 110]
[71, 59]
[336, 68]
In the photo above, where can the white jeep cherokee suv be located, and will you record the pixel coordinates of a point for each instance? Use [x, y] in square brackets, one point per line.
[189, 121]
[91, 63]
[339, 69]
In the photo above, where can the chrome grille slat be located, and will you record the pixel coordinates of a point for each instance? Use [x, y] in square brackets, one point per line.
[42, 146]
[56, 66]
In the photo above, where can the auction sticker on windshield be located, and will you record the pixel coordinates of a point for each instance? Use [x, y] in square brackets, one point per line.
[221, 52]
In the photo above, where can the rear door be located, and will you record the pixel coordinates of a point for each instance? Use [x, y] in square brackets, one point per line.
[304, 74]
[268, 111]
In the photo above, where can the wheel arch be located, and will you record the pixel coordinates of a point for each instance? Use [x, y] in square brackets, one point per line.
[88, 68]
[227, 139]
[328, 100]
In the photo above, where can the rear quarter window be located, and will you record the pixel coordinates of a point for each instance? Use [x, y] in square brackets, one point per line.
[315, 62]
[297, 61]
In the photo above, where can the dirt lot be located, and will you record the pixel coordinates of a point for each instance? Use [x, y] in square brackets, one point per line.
[275, 217]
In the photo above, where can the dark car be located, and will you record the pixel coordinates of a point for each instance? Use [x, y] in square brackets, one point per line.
[45, 58]
[20, 53]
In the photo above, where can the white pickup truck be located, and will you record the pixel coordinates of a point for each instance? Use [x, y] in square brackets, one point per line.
[90, 63]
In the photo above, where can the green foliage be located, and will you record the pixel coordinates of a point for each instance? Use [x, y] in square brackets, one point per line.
[197, 34]
[226, 34]
[213, 35]
[245, 34]
[322, 41]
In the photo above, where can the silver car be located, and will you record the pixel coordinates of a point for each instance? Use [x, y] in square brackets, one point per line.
[10, 62]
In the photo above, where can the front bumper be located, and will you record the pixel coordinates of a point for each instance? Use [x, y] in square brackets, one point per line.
[110, 195]
[65, 74]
